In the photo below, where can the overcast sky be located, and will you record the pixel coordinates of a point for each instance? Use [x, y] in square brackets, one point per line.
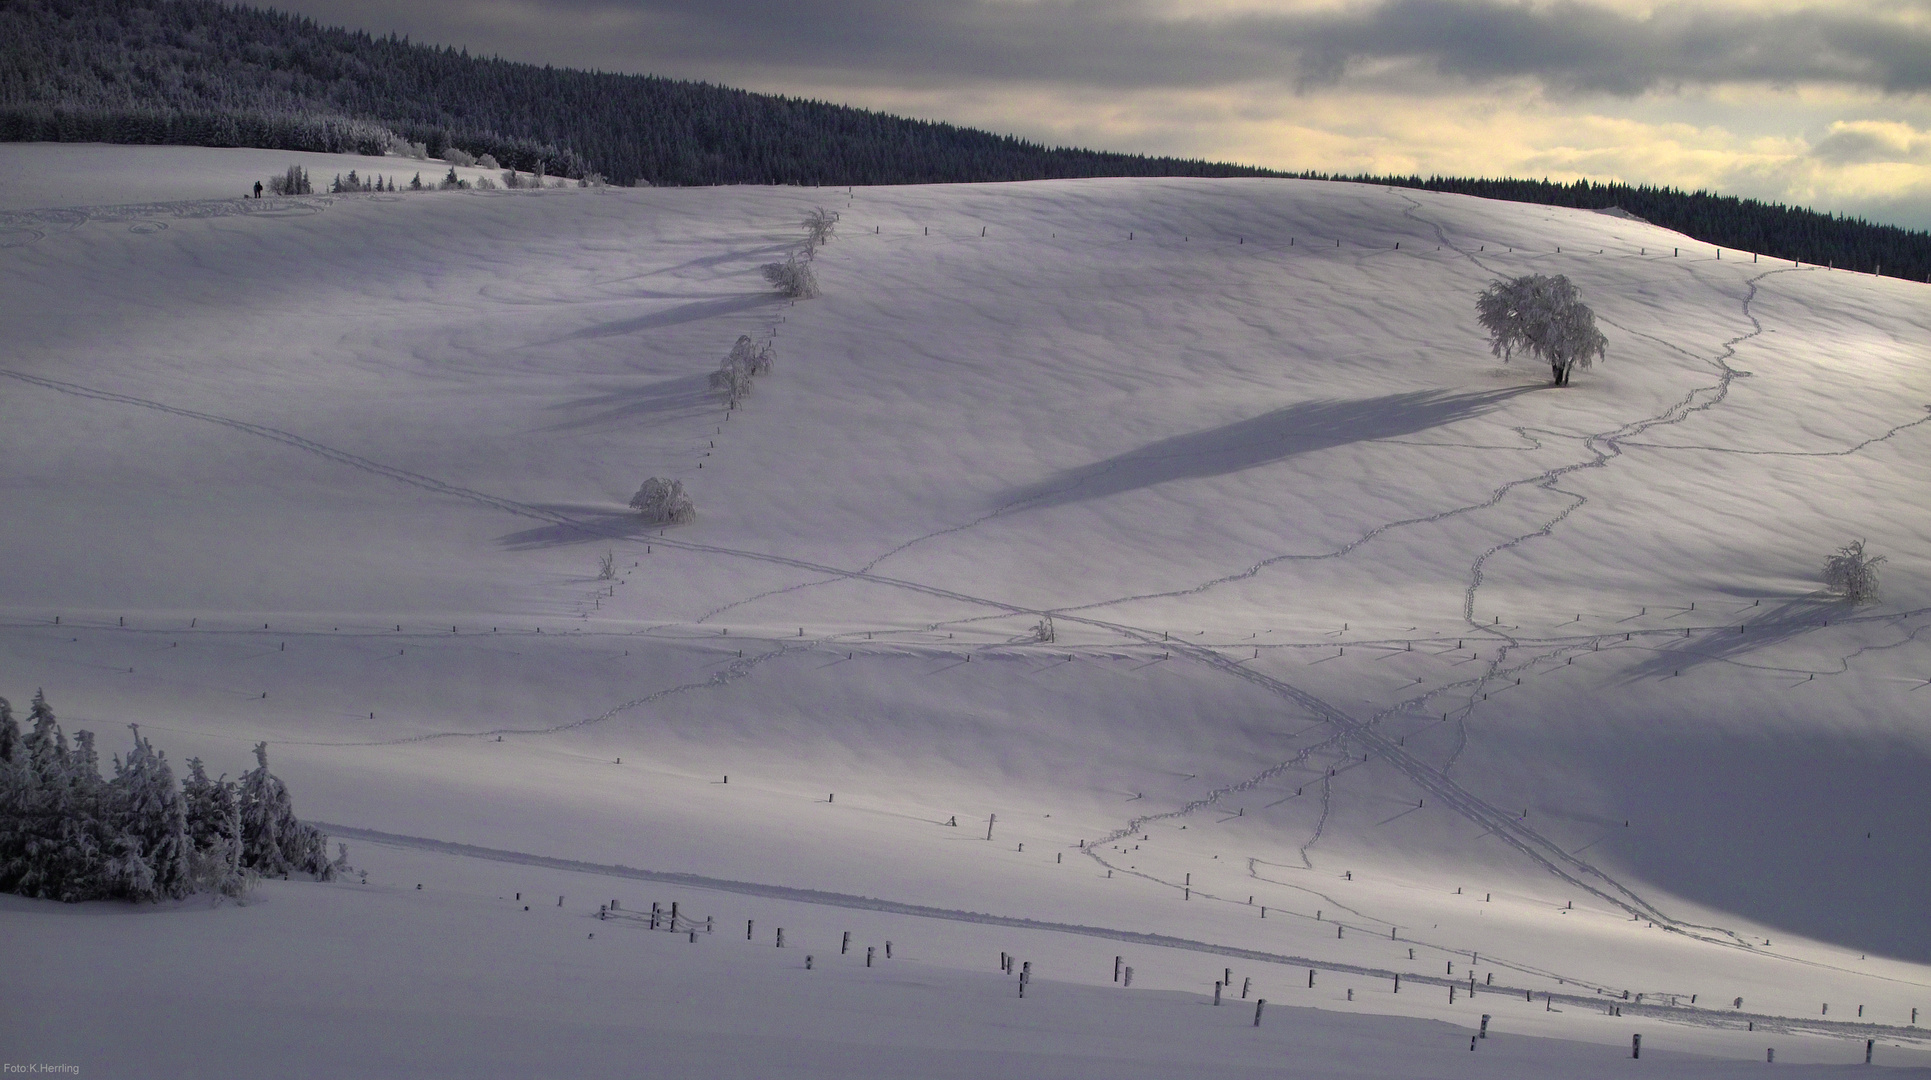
[1825, 103]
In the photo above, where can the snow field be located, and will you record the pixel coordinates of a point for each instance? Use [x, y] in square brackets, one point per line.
[1285, 509]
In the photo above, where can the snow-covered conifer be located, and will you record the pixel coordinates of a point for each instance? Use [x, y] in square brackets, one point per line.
[9, 730]
[1852, 574]
[150, 809]
[1542, 315]
[273, 839]
[663, 502]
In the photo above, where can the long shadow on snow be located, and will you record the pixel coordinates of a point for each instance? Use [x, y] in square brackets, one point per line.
[594, 524]
[684, 393]
[1261, 440]
[682, 313]
[1773, 627]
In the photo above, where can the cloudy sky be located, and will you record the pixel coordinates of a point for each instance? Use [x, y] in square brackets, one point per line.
[1825, 103]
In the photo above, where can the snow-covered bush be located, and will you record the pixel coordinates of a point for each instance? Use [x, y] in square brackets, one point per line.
[663, 502]
[67, 834]
[487, 161]
[607, 566]
[457, 157]
[746, 360]
[1852, 574]
[293, 182]
[594, 179]
[402, 147]
[792, 278]
[484, 183]
[452, 182]
[1541, 315]
[819, 225]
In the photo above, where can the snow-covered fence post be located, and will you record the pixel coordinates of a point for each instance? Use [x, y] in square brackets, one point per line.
[868, 955]
[989, 820]
[888, 949]
[846, 945]
[1245, 985]
[1126, 977]
[747, 929]
[1635, 1046]
[1258, 1006]
[1484, 1031]
[1116, 969]
[807, 961]
[780, 937]
[1216, 994]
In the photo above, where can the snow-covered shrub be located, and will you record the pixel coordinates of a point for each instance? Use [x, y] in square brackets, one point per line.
[452, 182]
[512, 180]
[484, 183]
[415, 184]
[1852, 574]
[402, 147]
[594, 179]
[663, 502]
[607, 566]
[293, 182]
[820, 223]
[746, 360]
[457, 157]
[791, 278]
[1542, 315]
[487, 161]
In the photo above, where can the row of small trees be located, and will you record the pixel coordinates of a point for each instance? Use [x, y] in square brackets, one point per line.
[68, 834]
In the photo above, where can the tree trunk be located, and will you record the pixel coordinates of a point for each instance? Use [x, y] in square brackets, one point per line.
[1559, 372]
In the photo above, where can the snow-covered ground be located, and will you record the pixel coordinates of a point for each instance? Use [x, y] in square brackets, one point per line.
[1449, 672]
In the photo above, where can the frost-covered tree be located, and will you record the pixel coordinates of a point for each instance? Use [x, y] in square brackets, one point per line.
[1542, 315]
[663, 502]
[9, 731]
[820, 223]
[150, 809]
[1852, 574]
[213, 816]
[746, 360]
[792, 278]
[293, 182]
[273, 840]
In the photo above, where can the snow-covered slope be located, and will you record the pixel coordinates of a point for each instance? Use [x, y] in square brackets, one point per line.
[1348, 617]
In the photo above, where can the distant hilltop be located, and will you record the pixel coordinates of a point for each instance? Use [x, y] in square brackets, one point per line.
[200, 73]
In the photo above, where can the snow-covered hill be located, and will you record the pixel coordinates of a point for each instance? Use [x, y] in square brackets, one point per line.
[1424, 657]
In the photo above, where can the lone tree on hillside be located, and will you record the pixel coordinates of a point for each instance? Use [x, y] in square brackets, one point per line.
[663, 502]
[1852, 574]
[1542, 315]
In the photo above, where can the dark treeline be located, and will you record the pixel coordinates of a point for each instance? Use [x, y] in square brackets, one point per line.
[1784, 232]
[197, 72]
[105, 63]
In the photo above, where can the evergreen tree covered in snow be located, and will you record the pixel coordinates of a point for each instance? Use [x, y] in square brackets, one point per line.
[67, 834]
[273, 840]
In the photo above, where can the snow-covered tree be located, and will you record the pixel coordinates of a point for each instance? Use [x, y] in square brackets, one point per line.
[745, 361]
[792, 278]
[819, 225]
[1852, 574]
[663, 502]
[1542, 315]
[150, 809]
[273, 840]
[213, 814]
[9, 731]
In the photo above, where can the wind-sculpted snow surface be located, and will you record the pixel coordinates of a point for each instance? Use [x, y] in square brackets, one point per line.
[1346, 617]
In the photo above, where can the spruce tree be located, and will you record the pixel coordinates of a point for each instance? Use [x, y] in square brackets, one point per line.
[152, 813]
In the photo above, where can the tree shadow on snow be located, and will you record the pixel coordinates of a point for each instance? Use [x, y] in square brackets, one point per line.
[682, 313]
[683, 394]
[1768, 627]
[1261, 440]
[593, 524]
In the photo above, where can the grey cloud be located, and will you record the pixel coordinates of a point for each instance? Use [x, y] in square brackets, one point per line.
[1567, 47]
